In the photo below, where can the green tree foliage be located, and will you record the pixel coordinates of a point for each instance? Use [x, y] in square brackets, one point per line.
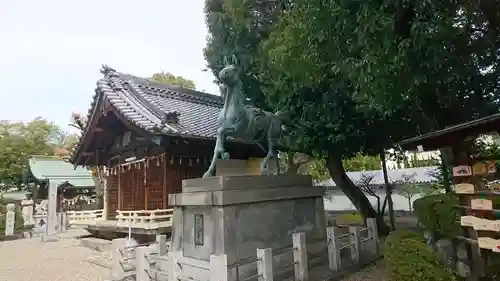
[18, 140]
[238, 27]
[327, 114]
[169, 78]
[437, 214]
[358, 76]
[362, 163]
[408, 188]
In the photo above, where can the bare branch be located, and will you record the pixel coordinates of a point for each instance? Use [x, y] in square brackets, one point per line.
[365, 185]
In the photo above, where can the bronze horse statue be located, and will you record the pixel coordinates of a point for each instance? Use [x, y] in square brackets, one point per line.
[244, 122]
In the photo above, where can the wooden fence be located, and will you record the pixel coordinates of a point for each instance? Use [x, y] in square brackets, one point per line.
[153, 262]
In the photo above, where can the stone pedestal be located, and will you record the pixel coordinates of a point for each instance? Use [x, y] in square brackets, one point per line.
[235, 215]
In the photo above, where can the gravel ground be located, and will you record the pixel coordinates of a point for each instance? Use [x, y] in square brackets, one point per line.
[63, 260]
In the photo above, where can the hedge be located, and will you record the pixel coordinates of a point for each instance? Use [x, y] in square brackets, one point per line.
[399, 235]
[436, 213]
[409, 259]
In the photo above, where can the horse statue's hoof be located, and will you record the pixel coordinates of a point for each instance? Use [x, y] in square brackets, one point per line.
[225, 156]
[206, 175]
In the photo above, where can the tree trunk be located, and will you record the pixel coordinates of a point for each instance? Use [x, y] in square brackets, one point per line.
[446, 156]
[357, 197]
[378, 205]
[388, 190]
[384, 205]
[409, 204]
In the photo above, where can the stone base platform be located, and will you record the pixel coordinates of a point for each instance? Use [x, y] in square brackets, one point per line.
[235, 215]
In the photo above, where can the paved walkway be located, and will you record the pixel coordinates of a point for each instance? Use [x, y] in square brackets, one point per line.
[63, 260]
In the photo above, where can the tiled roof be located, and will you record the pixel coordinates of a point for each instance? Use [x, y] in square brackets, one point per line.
[145, 103]
[418, 175]
[53, 168]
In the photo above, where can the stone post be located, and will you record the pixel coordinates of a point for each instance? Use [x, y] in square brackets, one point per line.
[59, 222]
[27, 211]
[218, 268]
[10, 220]
[173, 268]
[161, 245]
[142, 263]
[355, 243]
[371, 223]
[52, 210]
[117, 270]
[334, 260]
[265, 264]
[300, 257]
[64, 222]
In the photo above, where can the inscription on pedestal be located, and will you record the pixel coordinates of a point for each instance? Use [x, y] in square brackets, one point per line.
[198, 230]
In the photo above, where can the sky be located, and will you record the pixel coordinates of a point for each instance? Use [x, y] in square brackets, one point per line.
[51, 51]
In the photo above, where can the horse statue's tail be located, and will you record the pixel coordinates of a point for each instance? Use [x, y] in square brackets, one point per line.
[285, 117]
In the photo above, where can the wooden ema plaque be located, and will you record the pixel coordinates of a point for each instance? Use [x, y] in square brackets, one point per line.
[489, 243]
[468, 221]
[481, 204]
[495, 187]
[486, 225]
[479, 169]
[480, 223]
[464, 188]
[462, 171]
[491, 167]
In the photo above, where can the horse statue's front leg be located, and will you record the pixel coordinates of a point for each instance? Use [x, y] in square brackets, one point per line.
[218, 151]
[273, 133]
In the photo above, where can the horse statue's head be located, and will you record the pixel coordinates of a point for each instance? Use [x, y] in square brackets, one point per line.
[229, 75]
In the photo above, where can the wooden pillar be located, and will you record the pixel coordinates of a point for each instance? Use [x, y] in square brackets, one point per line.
[105, 196]
[145, 166]
[300, 257]
[164, 192]
[120, 195]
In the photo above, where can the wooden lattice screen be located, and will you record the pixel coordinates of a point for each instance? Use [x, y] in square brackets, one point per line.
[146, 185]
[132, 187]
[155, 189]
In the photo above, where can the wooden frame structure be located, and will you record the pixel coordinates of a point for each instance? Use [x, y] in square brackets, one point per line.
[479, 220]
[145, 138]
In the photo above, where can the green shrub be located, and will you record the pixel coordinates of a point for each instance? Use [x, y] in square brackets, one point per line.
[436, 212]
[411, 260]
[18, 224]
[399, 235]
